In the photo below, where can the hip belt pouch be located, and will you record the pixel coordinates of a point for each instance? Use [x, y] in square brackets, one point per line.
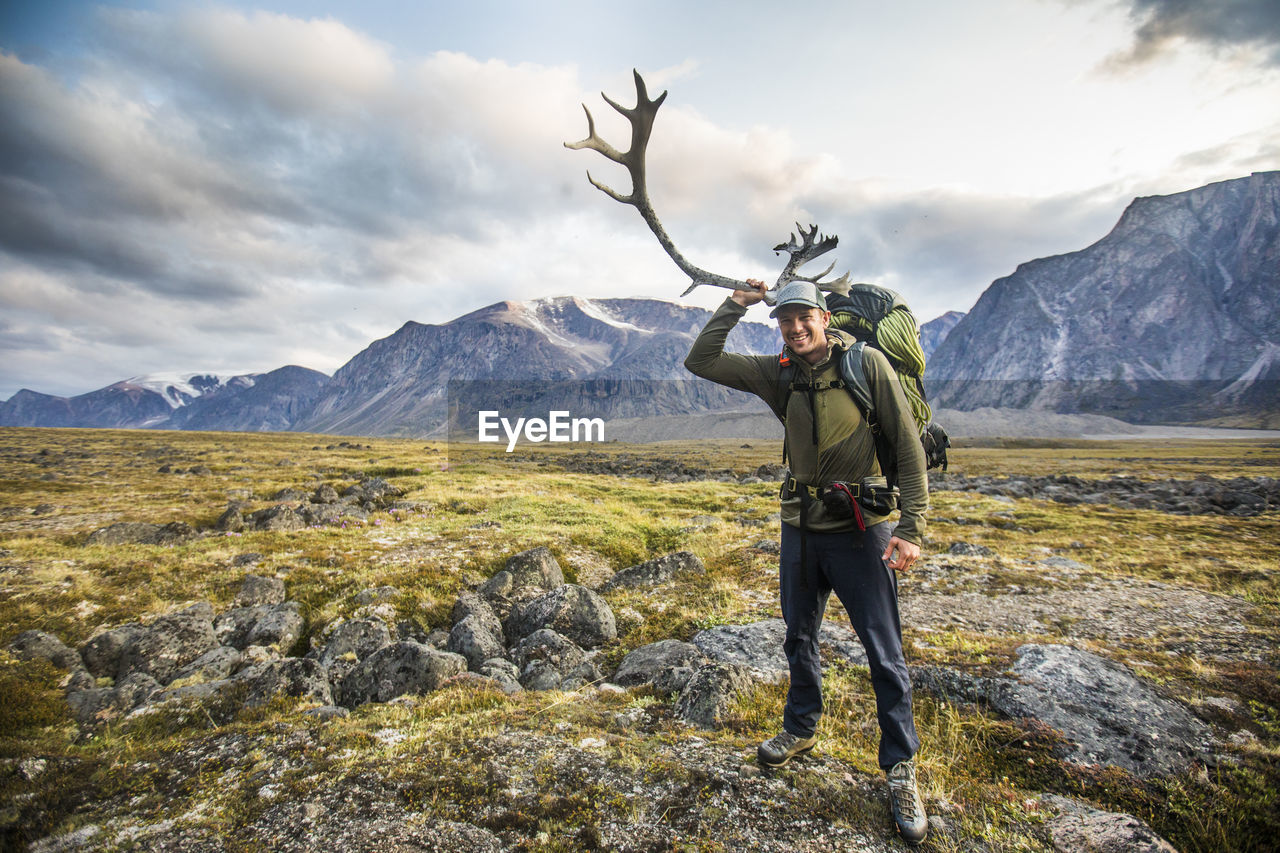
[877, 496]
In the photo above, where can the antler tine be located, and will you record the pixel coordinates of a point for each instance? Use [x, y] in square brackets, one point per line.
[641, 118]
[806, 250]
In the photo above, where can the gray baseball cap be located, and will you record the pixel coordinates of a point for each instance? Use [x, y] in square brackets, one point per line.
[799, 293]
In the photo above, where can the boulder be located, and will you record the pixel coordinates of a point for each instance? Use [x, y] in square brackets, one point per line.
[103, 704]
[656, 571]
[535, 568]
[101, 652]
[504, 673]
[668, 661]
[261, 625]
[550, 661]
[256, 590]
[1107, 714]
[280, 627]
[574, 611]
[325, 494]
[40, 645]
[232, 626]
[299, 677]
[711, 692]
[398, 669]
[278, 517]
[141, 533]
[170, 643]
[758, 645]
[473, 605]
[216, 664]
[351, 642]
[231, 521]
[474, 640]
[1079, 826]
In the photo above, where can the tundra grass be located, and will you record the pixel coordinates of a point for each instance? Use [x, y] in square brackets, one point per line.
[470, 510]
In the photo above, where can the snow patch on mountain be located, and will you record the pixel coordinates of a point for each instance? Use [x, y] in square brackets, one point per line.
[178, 389]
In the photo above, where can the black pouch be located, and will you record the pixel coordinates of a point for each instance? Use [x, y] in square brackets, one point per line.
[837, 500]
[877, 496]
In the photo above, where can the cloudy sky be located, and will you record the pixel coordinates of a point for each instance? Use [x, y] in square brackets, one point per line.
[234, 187]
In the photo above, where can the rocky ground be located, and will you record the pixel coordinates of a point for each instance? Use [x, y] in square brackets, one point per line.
[517, 723]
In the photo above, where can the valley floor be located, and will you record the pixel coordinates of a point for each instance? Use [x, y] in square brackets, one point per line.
[1186, 605]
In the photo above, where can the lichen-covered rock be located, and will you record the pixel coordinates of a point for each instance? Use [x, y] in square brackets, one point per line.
[349, 643]
[299, 677]
[475, 641]
[572, 610]
[216, 664]
[656, 571]
[549, 661]
[1079, 826]
[170, 643]
[279, 517]
[536, 568]
[712, 692]
[504, 673]
[141, 533]
[399, 669]
[280, 627]
[256, 590]
[758, 645]
[657, 661]
[1107, 714]
[101, 652]
[103, 704]
[472, 604]
[41, 645]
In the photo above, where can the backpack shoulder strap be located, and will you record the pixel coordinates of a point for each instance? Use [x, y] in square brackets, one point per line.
[855, 379]
[858, 385]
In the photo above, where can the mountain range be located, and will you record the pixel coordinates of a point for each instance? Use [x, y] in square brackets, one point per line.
[1170, 318]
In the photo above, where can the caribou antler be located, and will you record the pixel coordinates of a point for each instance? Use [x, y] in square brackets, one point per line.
[641, 119]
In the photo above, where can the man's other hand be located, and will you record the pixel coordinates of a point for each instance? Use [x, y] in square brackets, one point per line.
[747, 298]
[900, 554]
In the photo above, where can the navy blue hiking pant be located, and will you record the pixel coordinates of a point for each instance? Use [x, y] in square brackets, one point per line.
[849, 564]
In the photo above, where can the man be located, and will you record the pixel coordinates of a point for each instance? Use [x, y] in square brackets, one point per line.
[827, 442]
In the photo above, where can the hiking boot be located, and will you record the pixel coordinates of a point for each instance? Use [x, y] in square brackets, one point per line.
[908, 810]
[782, 747]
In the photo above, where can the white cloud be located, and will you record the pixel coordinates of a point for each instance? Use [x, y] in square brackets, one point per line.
[213, 189]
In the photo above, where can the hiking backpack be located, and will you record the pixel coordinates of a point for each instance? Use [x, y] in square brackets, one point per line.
[879, 317]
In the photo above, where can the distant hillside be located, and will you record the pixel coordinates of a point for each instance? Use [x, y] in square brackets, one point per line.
[255, 402]
[1172, 317]
[605, 358]
[934, 332]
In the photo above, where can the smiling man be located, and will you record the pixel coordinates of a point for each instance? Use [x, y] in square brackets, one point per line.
[835, 535]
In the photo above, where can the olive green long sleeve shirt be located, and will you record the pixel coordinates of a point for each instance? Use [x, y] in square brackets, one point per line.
[845, 449]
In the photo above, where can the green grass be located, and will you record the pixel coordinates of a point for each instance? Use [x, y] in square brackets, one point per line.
[476, 507]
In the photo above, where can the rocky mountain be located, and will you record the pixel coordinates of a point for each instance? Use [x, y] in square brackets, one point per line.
[595, 358]
[258, 401]
[934, 332]
[1172, 317]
